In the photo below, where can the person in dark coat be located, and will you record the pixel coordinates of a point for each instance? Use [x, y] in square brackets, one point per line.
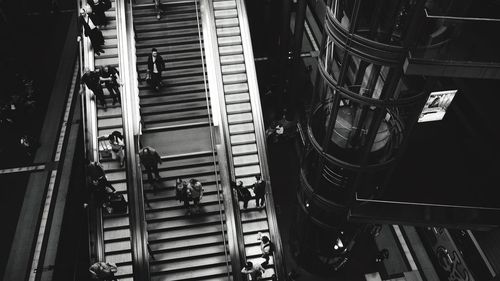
[156, 65]
[92, 80]
[150, 159]
[243, 193]
[88, 22]
[98, 9]
[259, 189]
[109, 75]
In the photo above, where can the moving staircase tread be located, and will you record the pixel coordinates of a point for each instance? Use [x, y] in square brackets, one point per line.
[118, 175]
[170, 99]
[188, 264]
[147, 18]
[228, 31]
[118, 246]
[254, 215]
[112, 111]
[184, 233]
[118, 234]
[244, 149]
[176, 107]
[249, 170]
[229, 4]
[192, 274]
[202, 178]
[234, 78]
[247, 138]
[230, 50]
[181, 223]
[116, 222]
[245, 160]
[109, 123]
[105, 61]
[185, 116]
[179, 212]
[251, 238]
[231, 59]
[240, 118]
[119, 257]
[170, 90]
[255, 226]
[201, 251]
[247, 181]
[226, 22]
[237, 98]
[166, 33]
[158, 42]
[238, 107]
[182, 172]
[175, 125]
[225, 13]
[229, 40]
[172, 25]
[185, 243]
[235, 88]
[233, 68]
[242, 128]
[140, 10]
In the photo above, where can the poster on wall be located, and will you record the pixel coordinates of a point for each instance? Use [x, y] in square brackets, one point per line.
[436, 105]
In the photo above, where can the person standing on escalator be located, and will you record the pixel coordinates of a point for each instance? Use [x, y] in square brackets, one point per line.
[90, 29]
[92, 81]
[98, 9]
[156, 65]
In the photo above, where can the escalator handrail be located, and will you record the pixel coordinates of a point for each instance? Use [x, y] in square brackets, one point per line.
[260, 138]
[137, 218]
[235, 232]
[96, 248]
[214, 121]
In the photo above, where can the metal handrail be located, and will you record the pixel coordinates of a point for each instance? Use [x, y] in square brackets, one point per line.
[212, 123]
[90, 109]
[235, 233]
[260, 138]
[138, 230]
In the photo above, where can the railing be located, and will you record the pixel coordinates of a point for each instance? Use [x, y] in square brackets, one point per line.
[130, 117]
[89, 109]
[234, 231]
[260, 137]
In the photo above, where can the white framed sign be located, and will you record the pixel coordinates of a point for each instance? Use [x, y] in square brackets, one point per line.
[436, 106]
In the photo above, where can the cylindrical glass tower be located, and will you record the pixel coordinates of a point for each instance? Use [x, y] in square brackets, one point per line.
[362, 111]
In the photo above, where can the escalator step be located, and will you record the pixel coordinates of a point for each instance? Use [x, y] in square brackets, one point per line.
[244, 149]
[232, 59]
[233, 68]
[224, 14]
[243, 139]
[246, 160]
[236, 88]
[241, 128]
[239, 118]
[247, 170]
[228, 31]
[229, 22]
[229, 40]
[238, 108]
[222, 5]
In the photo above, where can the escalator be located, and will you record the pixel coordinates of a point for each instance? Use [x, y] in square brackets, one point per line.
[116, 245]
[241, 107]
[177, 123]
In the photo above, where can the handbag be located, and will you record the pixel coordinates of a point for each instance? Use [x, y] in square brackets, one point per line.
[105, 152]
